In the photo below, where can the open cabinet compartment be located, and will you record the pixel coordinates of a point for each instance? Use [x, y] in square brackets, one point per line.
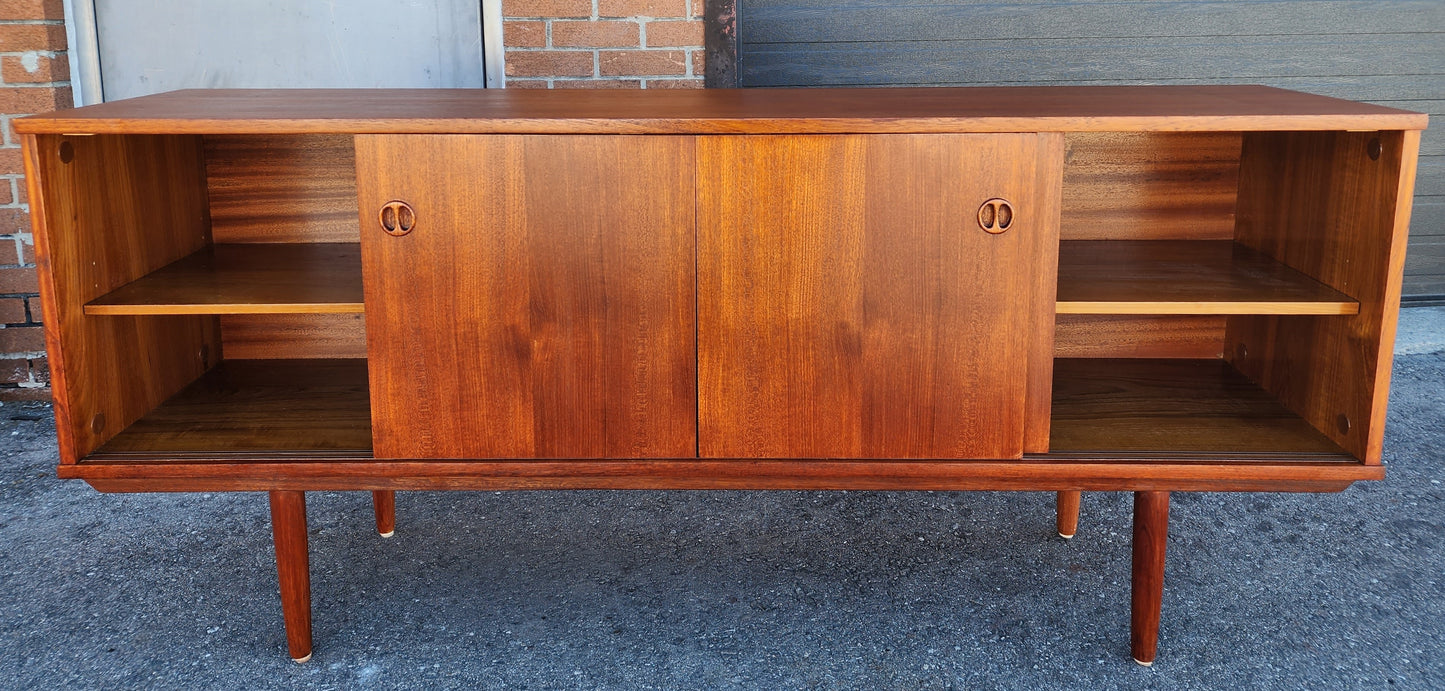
[1271, 253]
[218, 311]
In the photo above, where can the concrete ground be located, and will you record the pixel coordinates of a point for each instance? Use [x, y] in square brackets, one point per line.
[702, 590]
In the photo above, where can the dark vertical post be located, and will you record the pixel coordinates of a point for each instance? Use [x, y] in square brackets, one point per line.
[288, 523]
[720, 38]
[1151, 532]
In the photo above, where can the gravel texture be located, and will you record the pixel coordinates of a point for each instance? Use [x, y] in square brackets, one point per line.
[763, 590]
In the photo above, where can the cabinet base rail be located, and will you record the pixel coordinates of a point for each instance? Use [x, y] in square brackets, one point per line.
[1313, 473]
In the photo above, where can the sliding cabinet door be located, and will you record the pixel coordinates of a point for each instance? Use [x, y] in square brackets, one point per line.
[871, 296]
[529, 296]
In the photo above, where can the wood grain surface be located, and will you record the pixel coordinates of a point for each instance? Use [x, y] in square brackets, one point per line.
[1045, 472]
[849, 305]
[721, 111]
[1150, 185]
[1137, 336]
[1047, 200]
[1295, 189]
[270, 188]
[246, 279]
[1066, 513]
[106, 211]
[1146, 586]
[543, 304]
[293, 569]
[250, 406]
[1186, 277]
[1160, 408]
[290, 336]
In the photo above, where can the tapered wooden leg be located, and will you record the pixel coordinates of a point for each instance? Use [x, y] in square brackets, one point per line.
[384, 501]
[1151, 532]
[288, 523]
[1068, 508]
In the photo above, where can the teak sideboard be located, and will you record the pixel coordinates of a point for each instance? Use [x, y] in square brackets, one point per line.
[1150, 289]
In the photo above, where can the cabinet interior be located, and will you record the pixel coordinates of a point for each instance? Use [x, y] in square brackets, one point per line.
[1177, 277]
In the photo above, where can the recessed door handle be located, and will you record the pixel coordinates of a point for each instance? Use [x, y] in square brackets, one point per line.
[397, 217]
[996, 215]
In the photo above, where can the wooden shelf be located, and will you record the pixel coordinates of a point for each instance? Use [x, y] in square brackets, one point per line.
[247, 279]
[1172, 408]
[259, 406]
[1186, 277]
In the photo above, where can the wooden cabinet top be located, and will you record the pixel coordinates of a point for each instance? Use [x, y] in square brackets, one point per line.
[713, 111]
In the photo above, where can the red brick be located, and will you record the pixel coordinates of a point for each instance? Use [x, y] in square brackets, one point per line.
[14, 220]
[56, 69]
[604, 34]
[699, 63]
[18, 280]
[14, 371]
[685, 34]
[32, 10]
[22, 189]
[549, 63]
[22, 339]
[8, 255]
[33, 393]
[526, 83]
[547, 8]
[12, 161]
[18, 38]
[642, 8]
[6, 196]
[597, 84]
[20, 100]
[624, 63]
[697, 8]
[34, 304]
[12, 310]
[674, 84]
[40, 370]
[525, 34]
[27, 254]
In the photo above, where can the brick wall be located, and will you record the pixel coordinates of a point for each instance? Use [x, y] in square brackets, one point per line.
[592, 44]
[34, 78]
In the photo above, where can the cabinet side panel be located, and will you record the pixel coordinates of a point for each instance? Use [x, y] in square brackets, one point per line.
[851, 306]
[541, 306]
[107, 210]
[1048, 189]
[1336, 206]
[282, 188]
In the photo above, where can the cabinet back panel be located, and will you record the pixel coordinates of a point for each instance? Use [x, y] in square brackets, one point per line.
[293, 336]
[1150, 185]
[1138, 336]
[282, 188]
